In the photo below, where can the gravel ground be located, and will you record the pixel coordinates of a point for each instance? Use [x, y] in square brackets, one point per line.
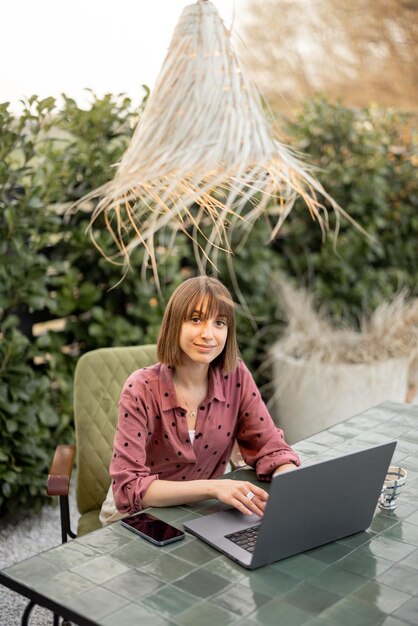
[20, 538]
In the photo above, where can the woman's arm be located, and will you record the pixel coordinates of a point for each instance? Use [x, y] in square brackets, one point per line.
[262, 444]
[135, 487]
[286, 467]
[129, 470]
[233, 492]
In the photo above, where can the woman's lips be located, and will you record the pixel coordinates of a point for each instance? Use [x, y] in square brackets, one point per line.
[203, 348]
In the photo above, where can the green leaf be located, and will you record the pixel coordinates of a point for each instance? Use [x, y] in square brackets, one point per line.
[6, 489]
[11, 426]
[9, 477]
[48, 416]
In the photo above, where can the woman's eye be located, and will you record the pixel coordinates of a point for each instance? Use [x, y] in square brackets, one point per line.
[195, 319]
[221, 323]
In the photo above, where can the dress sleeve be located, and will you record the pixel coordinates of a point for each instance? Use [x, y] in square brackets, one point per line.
[262, 444]
[129, 472]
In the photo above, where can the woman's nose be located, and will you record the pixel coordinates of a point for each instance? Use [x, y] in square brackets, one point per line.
[207, 330]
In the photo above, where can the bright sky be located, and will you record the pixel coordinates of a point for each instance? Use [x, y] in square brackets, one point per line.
[52, 46]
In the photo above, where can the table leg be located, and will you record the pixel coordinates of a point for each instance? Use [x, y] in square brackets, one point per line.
[27, 612]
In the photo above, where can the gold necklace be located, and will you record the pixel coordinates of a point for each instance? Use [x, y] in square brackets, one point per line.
[183, 399]
[192, 413]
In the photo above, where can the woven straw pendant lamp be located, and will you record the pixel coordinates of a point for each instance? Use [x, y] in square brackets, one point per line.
[203, 158]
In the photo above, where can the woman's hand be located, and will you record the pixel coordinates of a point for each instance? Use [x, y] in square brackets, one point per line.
[235, 493]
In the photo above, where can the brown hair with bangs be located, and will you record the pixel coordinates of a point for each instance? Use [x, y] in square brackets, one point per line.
[187, 298]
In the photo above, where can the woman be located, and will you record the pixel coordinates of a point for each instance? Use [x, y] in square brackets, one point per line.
[178, 419]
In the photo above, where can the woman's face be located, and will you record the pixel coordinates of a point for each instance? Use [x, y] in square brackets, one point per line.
[202, 339]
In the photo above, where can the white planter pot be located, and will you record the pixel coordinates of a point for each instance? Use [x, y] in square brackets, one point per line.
[311, 397]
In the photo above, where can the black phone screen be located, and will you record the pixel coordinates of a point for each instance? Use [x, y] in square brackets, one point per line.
[152, 528]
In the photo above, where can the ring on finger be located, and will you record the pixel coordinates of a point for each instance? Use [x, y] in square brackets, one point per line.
[250, 495]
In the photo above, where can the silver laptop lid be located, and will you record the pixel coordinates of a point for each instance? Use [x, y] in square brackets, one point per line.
[321, 502]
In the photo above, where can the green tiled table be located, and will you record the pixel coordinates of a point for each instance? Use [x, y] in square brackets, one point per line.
[112, 577]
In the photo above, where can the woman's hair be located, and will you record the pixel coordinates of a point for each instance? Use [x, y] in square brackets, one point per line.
[187, 298]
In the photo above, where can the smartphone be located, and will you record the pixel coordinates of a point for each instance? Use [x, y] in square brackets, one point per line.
[153, 529]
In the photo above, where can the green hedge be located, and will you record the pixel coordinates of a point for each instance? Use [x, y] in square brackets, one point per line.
[27, 419]
[49, 268]
[367, 160]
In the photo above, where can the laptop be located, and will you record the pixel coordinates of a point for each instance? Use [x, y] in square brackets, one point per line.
[307, 507]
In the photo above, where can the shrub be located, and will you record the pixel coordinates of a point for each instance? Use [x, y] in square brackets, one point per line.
[367, 162]
[27, 418]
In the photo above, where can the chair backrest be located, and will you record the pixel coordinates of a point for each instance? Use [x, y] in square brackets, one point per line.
[98, 380]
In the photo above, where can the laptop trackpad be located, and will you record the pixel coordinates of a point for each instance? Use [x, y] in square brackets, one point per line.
[222, 523]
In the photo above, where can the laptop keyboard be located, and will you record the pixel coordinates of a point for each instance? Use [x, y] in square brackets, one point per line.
[246, 538]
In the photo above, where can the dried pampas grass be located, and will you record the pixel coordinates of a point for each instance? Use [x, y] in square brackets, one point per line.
[391, 331]
[203, 159]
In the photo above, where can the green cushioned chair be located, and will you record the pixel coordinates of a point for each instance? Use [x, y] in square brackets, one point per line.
[98, 379]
